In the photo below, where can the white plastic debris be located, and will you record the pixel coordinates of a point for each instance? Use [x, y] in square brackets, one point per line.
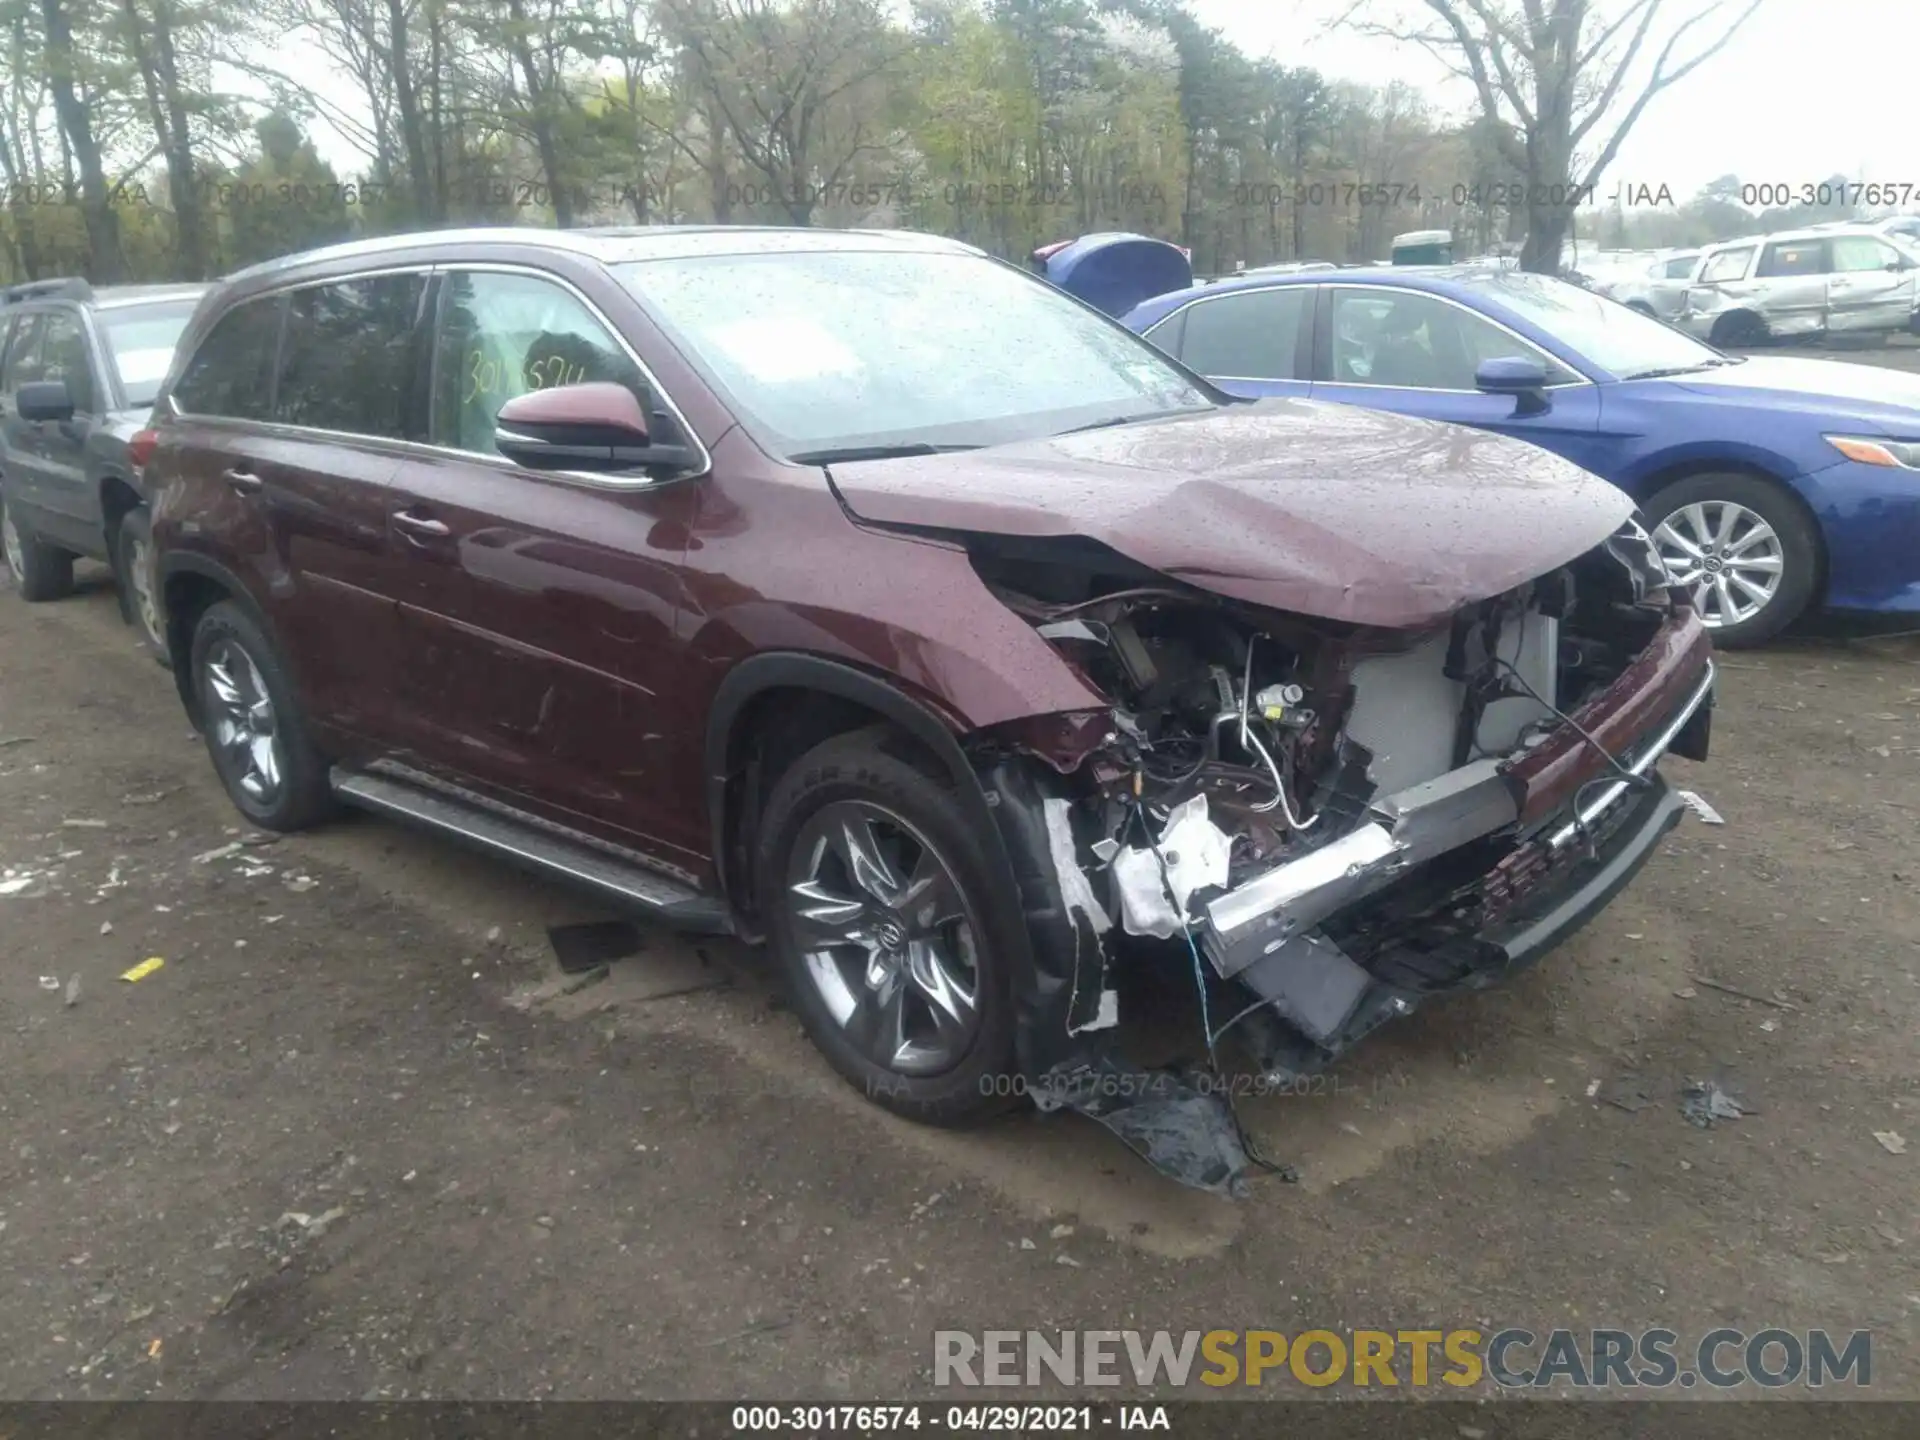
[1692, 800]
[1195, 852]
[15, 885]
[220, 852]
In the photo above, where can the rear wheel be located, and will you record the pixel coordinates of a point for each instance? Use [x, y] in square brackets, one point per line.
[880, 909]
[38, 571]
[1746, 551]
[133, 569]
[252, 723]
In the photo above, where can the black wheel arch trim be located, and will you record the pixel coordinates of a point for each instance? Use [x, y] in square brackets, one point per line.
[174, 565]
[1044, 961]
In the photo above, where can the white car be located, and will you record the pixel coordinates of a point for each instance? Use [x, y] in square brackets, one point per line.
[1803, 284]
[1658, 288]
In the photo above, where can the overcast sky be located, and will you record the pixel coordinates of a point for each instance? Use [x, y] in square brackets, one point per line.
[1808, 88]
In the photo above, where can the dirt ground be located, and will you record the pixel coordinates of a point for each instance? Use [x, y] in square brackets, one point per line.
[351, 1141]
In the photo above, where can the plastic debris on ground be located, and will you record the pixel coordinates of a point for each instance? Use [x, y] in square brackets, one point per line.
[143, 969]
[586, 946]
[1891, 1141]
[1704, 1102]
[1185, 1134]
[1693, 801]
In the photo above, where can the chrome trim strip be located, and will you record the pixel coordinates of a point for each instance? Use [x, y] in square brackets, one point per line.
[1648, 757]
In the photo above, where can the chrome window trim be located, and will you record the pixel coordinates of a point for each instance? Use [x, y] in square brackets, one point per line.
[1553, 360]
[1310, 290]
[423, 447]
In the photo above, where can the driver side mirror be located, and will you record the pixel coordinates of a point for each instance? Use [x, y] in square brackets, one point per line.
[597, 427]
[1524, 379]
[44, 401]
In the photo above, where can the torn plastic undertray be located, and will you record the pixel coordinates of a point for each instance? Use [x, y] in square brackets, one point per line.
[1184, 1132]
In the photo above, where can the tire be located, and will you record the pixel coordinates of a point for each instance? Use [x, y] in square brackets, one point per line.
[952, 1074]
[1641, 307]
[38, 571]
[1702, 502]
[133, 573]
[233, 665]
[1742, 328]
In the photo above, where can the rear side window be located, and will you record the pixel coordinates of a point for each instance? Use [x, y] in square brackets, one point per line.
[346, 364]
[1681, 267]
[501, 335]
[231, 374]
[1250, 336]
[1727, 265]
[1805, 257]
[1855, 253]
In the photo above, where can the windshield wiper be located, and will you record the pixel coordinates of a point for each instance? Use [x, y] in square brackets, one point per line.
[1109, 423]
[846, 454]
[1663, 372]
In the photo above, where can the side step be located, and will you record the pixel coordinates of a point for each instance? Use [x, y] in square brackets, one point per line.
[535, 847]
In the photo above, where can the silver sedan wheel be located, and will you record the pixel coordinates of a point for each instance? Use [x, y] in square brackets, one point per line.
[888, 938]
[245, 728]
[16, 552]
[1728, 555]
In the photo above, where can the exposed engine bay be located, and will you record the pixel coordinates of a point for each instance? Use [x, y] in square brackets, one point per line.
[1260, 775]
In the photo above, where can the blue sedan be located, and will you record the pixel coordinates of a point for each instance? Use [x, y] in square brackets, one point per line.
[1771, 484]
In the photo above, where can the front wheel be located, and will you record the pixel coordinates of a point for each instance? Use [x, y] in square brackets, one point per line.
[880, 908]
[254, 730]
[38, 571]
[1748, 553]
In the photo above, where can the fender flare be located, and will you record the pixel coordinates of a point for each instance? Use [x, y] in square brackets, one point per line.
[796, 669]
[176, 564]
[1040, 996]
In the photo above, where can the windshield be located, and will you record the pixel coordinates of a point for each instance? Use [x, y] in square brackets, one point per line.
[1605, 333]
[826, 351]
[142, 338]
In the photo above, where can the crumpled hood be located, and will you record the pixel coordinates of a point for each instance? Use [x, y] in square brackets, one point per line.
[1302, 506]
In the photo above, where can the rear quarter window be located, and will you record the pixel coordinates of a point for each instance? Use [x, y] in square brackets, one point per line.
[231, 372]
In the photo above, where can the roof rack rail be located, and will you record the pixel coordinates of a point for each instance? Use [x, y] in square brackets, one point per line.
[69, 287]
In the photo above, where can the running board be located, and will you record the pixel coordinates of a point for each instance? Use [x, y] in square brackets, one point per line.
[578, 861]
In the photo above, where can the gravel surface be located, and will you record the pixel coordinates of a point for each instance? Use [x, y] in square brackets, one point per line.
[352, 1139]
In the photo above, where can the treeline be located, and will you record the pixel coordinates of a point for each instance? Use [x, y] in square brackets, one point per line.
[149, 139]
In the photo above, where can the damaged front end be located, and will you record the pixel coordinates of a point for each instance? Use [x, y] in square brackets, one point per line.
[1325, 823]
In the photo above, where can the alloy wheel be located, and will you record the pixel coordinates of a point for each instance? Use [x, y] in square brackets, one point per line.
[887, 936]
[245, 728]
[1728, 555]
[140, 576]
[15, 550]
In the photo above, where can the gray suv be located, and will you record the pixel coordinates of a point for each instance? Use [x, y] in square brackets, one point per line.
[79, 369]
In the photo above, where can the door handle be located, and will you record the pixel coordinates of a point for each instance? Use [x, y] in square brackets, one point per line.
[245, 482]
[424, 527]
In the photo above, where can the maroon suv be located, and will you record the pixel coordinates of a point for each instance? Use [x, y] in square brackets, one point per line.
[864, 594]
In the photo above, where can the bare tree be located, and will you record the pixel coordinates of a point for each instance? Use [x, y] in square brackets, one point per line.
[780, 78]
[1559, 74]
